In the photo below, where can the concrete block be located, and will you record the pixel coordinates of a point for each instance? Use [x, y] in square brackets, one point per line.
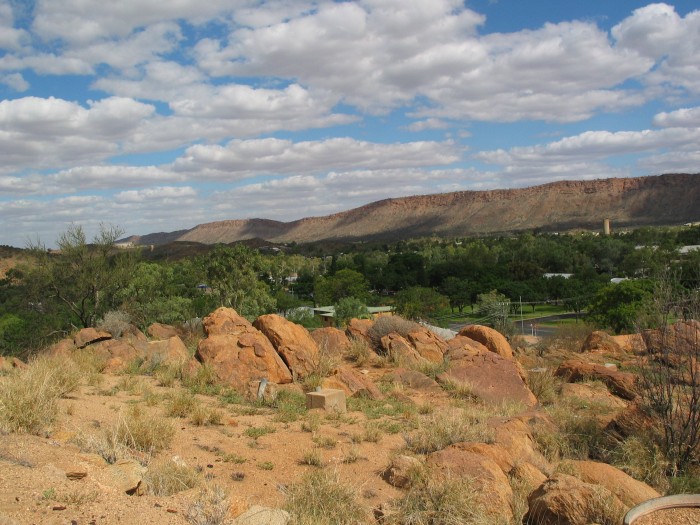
[328, 399]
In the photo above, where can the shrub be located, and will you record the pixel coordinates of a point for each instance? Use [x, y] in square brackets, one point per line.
[320, 499]
[168, 478]
[359, 351]
[142, 432]
[544, 385]
[386, 325]
[433, 501]
[444, 429]
[211, 507]
[116, 322]
[181, 404]
[29, 397]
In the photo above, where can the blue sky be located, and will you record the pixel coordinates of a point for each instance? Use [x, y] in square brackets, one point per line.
[157, 116]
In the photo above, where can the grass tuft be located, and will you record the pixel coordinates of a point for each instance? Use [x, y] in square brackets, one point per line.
[320, 499]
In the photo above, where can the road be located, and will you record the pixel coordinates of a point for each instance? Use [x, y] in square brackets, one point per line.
[532, 326]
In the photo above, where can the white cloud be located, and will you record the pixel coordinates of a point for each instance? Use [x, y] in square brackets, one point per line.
[430, 123]
[16, 81]
[11, 38]
[49, 132]
[163, 194]
[592, 146]
[240, 158]
[658, 32]
[85, 21]
[680, 118]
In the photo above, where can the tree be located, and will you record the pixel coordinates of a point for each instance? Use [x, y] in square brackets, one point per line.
[83, 278]
[458, 291]
[418, 302]
[349, 308]
[618, 306]
[233, 274]
[153, 295]
[345, 283]
[670, 374]
[494, 307]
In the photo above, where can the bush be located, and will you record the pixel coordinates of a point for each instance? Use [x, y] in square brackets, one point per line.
[29, 397]
[320, 499]
[211, 507]
[386, 325]
[168, 478]
[433, 501]
[115, 322]
[441, 430]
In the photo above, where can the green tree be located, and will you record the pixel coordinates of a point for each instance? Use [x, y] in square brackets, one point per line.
[494, 307]
[154, 295]
[83, 277]
[419, 302]
[233, 274]
[619, 306]
[458, 291]
[345, 283]
[349, 308]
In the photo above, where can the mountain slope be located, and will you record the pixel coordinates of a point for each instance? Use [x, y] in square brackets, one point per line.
[558, 206]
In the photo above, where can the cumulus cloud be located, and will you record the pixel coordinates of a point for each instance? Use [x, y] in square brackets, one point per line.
[243, 158]
[50, 132]
[682, 118]
[673, 42]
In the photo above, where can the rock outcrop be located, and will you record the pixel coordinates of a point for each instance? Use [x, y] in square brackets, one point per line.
[238, 352]
[292, 342]
[620, 383]
[491, 377]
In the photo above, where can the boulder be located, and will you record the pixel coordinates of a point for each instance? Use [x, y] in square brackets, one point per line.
[631, 421]
[495, 452]
[88, 336]
[631, 344]
[491, 484]
[460, 346]
[682, 337]
[162, 331]
[627, 489]
[62, 348]
[599, 342]
[401, 470]
[429, 345]
[10, 363]
[531, 476]
[352, 383]
[170, 351]
[117, 354]
[490, 338]
[238, 352]
[125, 475]
[591, 394]
[564, 499]
[359, 328]
[620, 383]
[401, 351]
[292, 342]
[257, 515]
[331, 341]
[412, 379]
[515, 436]
[493, 378]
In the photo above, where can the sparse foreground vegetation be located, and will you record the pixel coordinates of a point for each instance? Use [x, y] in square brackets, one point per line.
[180, 427]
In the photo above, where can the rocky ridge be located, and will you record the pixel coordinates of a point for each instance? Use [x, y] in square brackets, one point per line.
[558, 206]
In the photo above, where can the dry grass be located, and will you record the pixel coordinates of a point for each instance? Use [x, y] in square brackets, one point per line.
[443, 429]
[359, 351]
[135, 434]
[544, 385]
[170, 477]
[210, 507]
[439, 501]
[29, 397]
[321, 499]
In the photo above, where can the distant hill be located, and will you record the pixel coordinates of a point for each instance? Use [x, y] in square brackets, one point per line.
[559, 206]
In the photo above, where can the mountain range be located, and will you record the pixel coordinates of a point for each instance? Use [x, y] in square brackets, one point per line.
[668, 199]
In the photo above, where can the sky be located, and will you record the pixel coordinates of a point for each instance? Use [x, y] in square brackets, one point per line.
[157, 116]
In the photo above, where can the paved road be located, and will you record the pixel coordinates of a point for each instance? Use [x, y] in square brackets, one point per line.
[532, 326]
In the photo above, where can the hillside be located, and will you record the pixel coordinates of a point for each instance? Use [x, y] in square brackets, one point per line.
[558, 206]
